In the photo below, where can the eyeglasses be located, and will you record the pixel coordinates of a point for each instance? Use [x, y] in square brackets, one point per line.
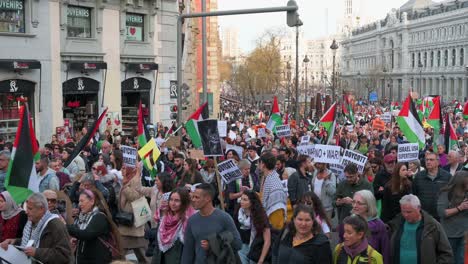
[358, 203]
[51, 200]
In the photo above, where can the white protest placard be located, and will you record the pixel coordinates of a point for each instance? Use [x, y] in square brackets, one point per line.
[129, 155]
[327, 154]
[13, 255]
[386, 117]
[271, 124]
[337, 169]
[241, 126]
[222, 128]
[229, 171]
[232, 135]
[261, 133]
[408, 152]
[239, 150]
[283, 131]
[305, 139]
[306, 149]
[350, 156]
[251, 132]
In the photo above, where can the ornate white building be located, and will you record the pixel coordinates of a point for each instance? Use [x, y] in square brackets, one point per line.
[422, 46]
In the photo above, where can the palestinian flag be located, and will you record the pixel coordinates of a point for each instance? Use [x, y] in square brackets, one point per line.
[347, 109]
[458, 108]
[150, 153]
[21, 179]
[409, 123]
[435, 120]
[191, 125]
[85, 139]
[275, 117]
[450, 137]
[143, 136]
[465, 111]
[328, 121]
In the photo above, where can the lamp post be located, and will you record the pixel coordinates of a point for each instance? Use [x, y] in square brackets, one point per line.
[359, 80]
[313, 94]
[334, 47]
[420, 66]
[288, 68]
[296, 113]
[305, 61]
[384, 70]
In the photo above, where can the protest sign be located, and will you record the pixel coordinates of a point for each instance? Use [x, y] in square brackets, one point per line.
[327, 154]
[261, 133]
[251, 132]
[350, 156]
[129, 155]
[229, 171]
[305, 139]
[306, 149]
[150, 152]
[209, 135]
[337, 169]
[13, 255]
[232, 135]
[378, 124]
[271, 124]
[196, 154]
[173, 142]
[387, 117]
[222, 128]
[283, 131]
[238, 149]
[408, 152]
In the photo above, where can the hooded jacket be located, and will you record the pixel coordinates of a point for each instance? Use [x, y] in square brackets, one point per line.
[316, 250]
[432, 243]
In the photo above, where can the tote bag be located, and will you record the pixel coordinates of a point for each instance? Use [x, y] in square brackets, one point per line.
[141, 211]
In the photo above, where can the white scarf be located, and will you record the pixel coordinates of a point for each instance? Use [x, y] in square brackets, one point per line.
[244, 220]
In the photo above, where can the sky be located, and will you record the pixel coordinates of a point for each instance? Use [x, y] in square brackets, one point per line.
[312, 13]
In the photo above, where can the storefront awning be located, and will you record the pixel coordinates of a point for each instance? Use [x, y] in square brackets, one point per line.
[142, 66]
[17, 86]
[135, 85]
[87, 65]
[80, 85]
[19, 64]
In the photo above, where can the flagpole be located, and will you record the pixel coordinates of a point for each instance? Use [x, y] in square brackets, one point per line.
[173, 133]
[220, 190]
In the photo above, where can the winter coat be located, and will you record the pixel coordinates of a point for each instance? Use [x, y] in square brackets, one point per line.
[172, 256]
[316, 250]
[433, 245]
[128, 194]
[328, 190]
[341, 257]
[298, 184]
[221, 251]
[90, 249]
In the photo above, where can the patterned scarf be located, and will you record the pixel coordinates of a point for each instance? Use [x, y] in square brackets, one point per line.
[244, 220]
[84, 218]
[172, 227]
[34, 233]
[273, 195]
[11, 208]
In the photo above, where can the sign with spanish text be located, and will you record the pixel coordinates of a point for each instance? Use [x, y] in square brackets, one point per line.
[408, 152]
[283, 131]
[129, 155]
[229, 171]
[327, 154]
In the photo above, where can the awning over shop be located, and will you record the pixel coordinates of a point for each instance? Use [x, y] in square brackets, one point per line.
[142, 66]
[80, 85]
[86, 65]
[16, 86]
[20, 64]
[135, 85]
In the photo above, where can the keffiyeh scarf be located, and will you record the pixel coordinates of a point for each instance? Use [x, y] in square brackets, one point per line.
[34, 233]
[172, 227]
[83, 219]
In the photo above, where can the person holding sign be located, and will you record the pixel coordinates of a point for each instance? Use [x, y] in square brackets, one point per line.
[299, 182]
[273, 195]
[236, 188]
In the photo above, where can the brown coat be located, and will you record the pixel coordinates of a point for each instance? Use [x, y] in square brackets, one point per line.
[128, 194]
[54, 246]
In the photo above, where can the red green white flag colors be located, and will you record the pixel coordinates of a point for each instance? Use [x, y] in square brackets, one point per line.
[328, 121]
[410, 125]
[465, 111]
[450, 137]
[435, 120]
[191, 125]
[275, 117]
[21, 179]
[143, 140]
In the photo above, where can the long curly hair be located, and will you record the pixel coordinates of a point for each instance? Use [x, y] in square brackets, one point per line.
[258, 214]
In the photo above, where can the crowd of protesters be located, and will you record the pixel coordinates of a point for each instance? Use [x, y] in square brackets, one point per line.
[284, 209]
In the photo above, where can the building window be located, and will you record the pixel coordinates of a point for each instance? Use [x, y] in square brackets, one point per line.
[412, 60]
[12, 16]
[438, 58]
[432, 58]
[425, 59]
[446, 58]
[135, 27]
[419, 58]
[454, 55]
[79, 22]
[462, 57]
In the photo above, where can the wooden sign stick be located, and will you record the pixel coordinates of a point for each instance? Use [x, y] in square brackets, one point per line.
[220, 190]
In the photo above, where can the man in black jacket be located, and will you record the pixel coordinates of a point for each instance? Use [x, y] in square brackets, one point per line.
[427, 184]
[384, 175]
[299, 182]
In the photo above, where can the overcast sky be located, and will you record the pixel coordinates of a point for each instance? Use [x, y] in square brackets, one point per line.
[312, 13]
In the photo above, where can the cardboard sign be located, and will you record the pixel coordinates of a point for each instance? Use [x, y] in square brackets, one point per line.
[408, 152]
[196, 154]
[350, 156]
[229, 171]
[337, 169]
[261, 133]
[327, 154]
[306, 149]
[209, 134]
[129, 155]
[378, 124]
[386, 117]
[305, 139]
[238, 149]
[222, 128]
[173, 142]
[283, 131]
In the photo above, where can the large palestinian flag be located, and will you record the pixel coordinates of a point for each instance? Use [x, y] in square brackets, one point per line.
[191, 125]
[410, 125]
[435, 120]
[143, 138]
[465, 111]
[21, 179]
[328, 121]
[275, 117]
[450, 137]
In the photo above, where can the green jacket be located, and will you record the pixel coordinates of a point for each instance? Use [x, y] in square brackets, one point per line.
[340, 256]
[345, 189]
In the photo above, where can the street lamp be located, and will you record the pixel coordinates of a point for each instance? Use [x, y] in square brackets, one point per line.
[305, 61]
[420, 66]
[359, 80]
[298, 24]
[288, 67]
[334, 47]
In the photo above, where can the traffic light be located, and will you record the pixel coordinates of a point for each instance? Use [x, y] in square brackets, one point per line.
[173, 114]
[185, 91]
[292, 17]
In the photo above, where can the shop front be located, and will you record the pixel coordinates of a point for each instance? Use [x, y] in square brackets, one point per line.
[134, 90]
[14, 93]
